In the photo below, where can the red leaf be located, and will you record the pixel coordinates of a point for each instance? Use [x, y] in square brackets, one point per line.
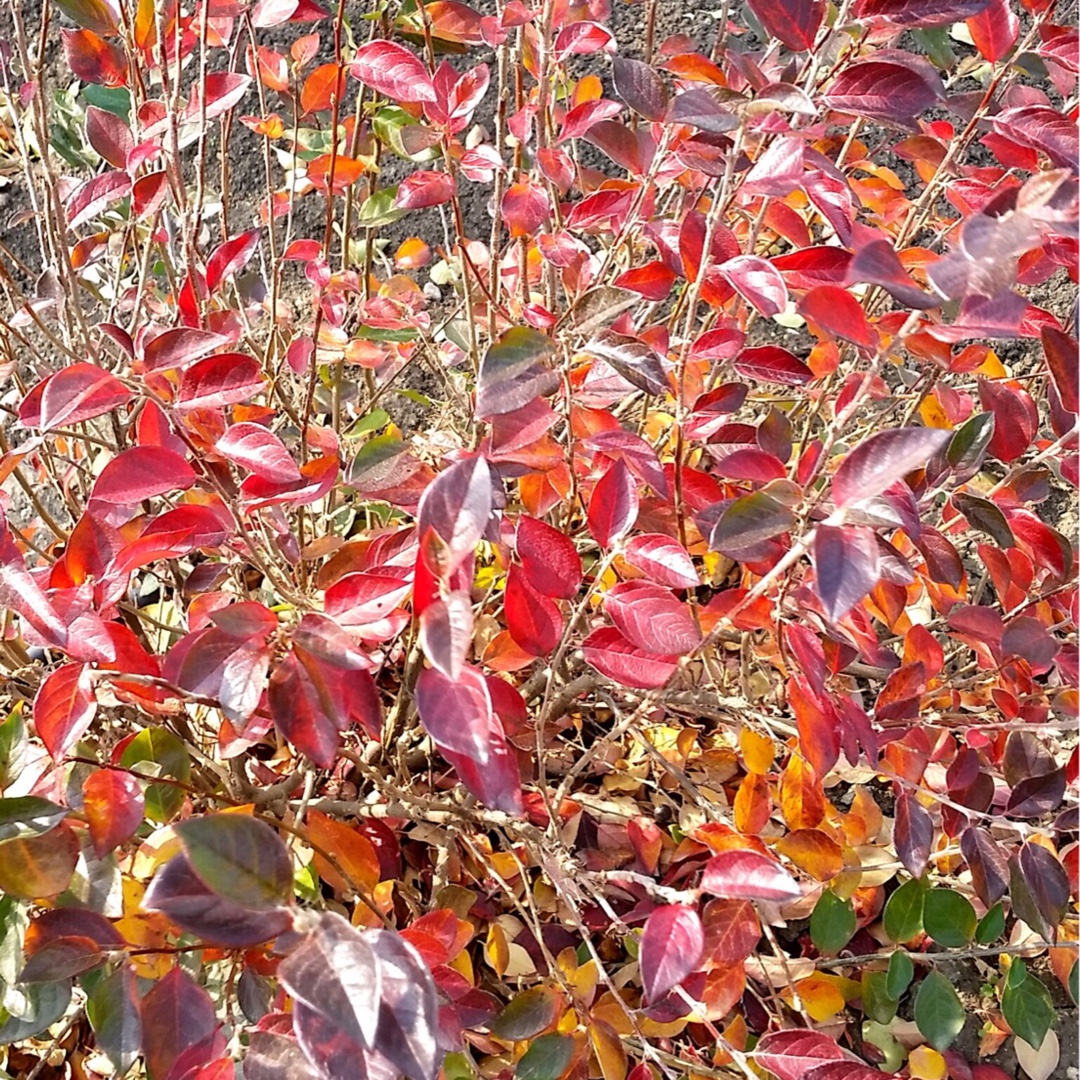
[114, 808]
[622, 662]
[846, 567]
[64, 708]
[653, 280]
[148, 193]
[90, 198]
[793, 22]
[109, 136]
[93, 59]
[838, 313]
[392, 70]
[457, 713]
[221, 90]
[424, 188]
[1016, 418]
[790, 1054]
[877, 263]
[533, 620]
[223, 379]
[882, 459]
[322, 86]
[739, 874]
[770, 363]
[179, 347]
[883, 90]
[1061, 352]
[457, 506]
[583, 38]
[652, 618]
[670, 948]
[582, 117]
[919, 12]
[1042, 128]
[758, 281]
[74, 393]
[259, 451]
[141, 473]
[750, 464]
[230, 258]
[663, 560]
[994, 30]
[613, 506]
[525, 207]
[549, 558]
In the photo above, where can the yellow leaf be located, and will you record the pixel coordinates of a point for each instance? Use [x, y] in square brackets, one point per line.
[497, 949]
[821, 995]
[992, 367]
[758, 750]
[609, 1050]
[925, 1063]
[933, 415]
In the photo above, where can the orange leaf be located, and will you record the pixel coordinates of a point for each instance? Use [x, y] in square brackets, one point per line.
[353, 853]
[802, 800]
[813, 851]
[324, 84]
[753, 804]
[347, 171]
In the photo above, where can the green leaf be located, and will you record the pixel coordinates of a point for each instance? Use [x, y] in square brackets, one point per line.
[949, 918]
[458, 1067]
[1074, 982]
[903, 917]
[934, 41]
[939, 1013]
[375, 420]
[968, 446]
[378, 210]
[878, 1003]
[1026, 1005]
[112, 1007]
[991, 925]
[158, 752]
[881, 1036]
[984, 516]
[528, 1014]
[114, 99]
[238, 858]
[901, 972]
[13, 745]
[376, 333]
[515, 371]
[42, 1005]
[832, 923]
[546, 1059]
[93, 15]
[28, 815]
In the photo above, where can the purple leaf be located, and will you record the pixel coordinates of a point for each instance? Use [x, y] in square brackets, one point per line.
[886, 91]
[334, 972]
[879, 461]
[847, 565]
[913, 833]
[457, 507]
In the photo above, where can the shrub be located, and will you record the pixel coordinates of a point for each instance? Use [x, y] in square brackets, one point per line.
[534, 550]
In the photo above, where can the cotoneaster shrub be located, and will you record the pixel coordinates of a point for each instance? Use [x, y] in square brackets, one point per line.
[691, 691]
